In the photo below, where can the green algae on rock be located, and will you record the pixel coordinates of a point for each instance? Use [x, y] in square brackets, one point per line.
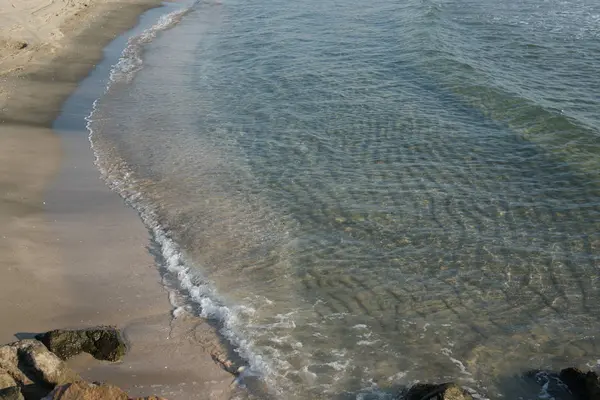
[103, 343]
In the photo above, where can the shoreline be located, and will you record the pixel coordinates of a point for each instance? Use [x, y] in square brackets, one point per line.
[73, 254]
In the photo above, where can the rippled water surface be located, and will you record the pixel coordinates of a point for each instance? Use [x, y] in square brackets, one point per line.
[367, 194]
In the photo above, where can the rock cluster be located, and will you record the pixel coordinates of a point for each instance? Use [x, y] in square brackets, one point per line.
[35, 370]
[30, 371]
[569, 383]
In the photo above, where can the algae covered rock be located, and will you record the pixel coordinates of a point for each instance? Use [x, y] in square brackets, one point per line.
[103, 343]
[444, 391]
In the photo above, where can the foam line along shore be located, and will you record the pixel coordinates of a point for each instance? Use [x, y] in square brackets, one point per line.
[72, 255]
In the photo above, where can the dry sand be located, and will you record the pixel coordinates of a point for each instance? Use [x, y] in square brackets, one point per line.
[71, 254]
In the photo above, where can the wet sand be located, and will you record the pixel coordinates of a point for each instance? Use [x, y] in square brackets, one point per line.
[71, 253]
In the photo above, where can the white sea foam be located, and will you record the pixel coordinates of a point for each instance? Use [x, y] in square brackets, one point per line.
[338, 365]
[179, 311]
[131, 60]
[367, 342]
[545, 392]
[338, 352]
[120, 178]
[397, 377]
[197, 287]
[463, 369]
[309, 376]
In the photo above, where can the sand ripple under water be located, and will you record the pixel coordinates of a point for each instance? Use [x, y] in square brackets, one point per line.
[366, 195]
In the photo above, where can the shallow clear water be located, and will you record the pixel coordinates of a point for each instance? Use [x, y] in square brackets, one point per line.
[366, 194]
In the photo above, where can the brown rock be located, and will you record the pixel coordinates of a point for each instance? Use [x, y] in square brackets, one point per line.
[9, 390]
[148, 398]
[444, 391]
[29, 367]
[34, 369]
[86, 391]
[6, 381]
[11, 393]
[44, 365]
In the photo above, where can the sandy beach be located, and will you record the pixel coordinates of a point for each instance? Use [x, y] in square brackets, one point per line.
[71, 253]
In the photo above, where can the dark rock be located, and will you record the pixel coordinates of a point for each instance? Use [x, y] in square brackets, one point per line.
[11, 393]
[583, 385]
[444, 391]
[103, 343]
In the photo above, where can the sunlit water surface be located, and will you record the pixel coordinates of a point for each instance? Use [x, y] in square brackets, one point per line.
[367, 194]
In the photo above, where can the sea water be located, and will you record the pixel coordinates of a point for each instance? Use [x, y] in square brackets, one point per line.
[363, 195]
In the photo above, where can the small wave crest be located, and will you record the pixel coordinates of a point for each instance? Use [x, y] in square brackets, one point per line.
[199, 290]
[131, 60]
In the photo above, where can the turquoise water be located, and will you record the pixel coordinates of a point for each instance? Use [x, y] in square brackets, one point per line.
[368, 194]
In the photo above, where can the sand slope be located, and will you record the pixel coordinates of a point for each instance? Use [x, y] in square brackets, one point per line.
[71, 254]
[34, 82]
[30, 26]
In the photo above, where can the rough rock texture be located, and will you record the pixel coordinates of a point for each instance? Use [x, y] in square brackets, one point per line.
[583, 385]
[33, 368]
[86, 391]
[9, 389]
[103, 343]
[149, 398]
[11, 393]
[6, 381]
[90, 391]
[29, 371]
[444, 391]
